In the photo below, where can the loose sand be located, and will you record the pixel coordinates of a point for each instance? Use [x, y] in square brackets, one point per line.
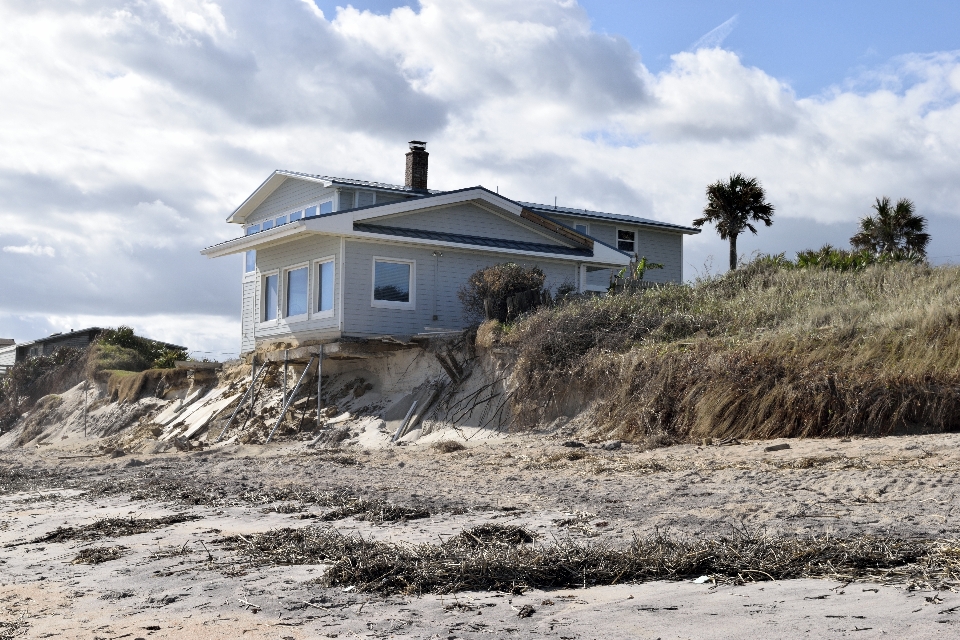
[177, 582]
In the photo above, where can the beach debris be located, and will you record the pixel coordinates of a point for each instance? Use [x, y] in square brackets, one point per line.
[447, 446]
[526, 611]
[492, 533]
[777, 447]
[702, 580]
[96, 555]
[574, 444]
[612, 445]
[111, 528]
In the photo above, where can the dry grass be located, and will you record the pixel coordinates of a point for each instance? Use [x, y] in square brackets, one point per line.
[447, 446]
[469, 563]
[760, 353]
[96, 555]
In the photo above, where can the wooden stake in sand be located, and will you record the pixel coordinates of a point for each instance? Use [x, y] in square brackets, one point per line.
[84, 408]
[319, 383]
[286, 405]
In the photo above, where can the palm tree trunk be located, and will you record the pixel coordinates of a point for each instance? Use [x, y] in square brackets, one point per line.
[733, 252]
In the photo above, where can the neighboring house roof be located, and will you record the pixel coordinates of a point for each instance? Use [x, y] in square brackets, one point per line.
[92, 331]
[614, 217]
[457, 238]
[7, 341]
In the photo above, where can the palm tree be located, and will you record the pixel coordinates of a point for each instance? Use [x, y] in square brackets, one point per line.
[731, 206]
[893, 231]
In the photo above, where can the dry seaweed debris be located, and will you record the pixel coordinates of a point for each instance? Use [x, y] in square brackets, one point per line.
[112, 528]
[447, 446]
[96, 555]
[491, 533]
[463, 564]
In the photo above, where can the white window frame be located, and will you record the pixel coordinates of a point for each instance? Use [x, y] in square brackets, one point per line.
[635, 238]
[283, 294]
[582, 224]
[315, 289]
[387, 304]
[262, 298]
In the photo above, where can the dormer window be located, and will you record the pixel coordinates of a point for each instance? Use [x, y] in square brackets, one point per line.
[326, 207]
[267, 224]
[309, 212]
[281, 220]
[296, 215]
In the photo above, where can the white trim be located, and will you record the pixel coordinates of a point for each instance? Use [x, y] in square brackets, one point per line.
[635, 238]
[261, 298]
[315, 289]
[343, 247]
[585, 225]
[387, 304]
[284, 302]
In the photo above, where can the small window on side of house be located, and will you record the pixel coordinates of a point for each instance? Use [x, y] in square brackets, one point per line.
[309, 212]
[326, 207]
[281, 220]
[393, 283]
[296, 215]
[250, 261]
[252, 229]
[626, 240]
[581, 228]
[325, 287]
[267, 224]
[296, 298]
[271, 301]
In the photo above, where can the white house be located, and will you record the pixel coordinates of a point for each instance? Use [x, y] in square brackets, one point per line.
[329, 258]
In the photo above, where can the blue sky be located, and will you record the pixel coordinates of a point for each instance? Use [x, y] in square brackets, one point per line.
[130, 129]
[811, 44]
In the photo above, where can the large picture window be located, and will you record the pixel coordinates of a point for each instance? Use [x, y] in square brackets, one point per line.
[271, 301]
[626, 240]
[297, 292]
[393, 283]
[324, 273]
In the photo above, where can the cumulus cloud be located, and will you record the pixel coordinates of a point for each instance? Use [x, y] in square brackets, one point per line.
[131, 129]
[32, 250]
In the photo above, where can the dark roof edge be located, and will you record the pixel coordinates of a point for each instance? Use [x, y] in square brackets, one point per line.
[477, 241]
[601, 215]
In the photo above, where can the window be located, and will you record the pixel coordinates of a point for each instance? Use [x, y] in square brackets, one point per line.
[250, 261]
[324, 271]
[271, 302]
[626, 240]
[252, 229]
[582, 228]
[393, 283]
[281, 220]
[296, 293]
[309, 212]
[296, 215]
[326, 207]
[267, 224]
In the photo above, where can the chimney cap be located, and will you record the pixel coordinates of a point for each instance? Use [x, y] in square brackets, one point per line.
[417, 145]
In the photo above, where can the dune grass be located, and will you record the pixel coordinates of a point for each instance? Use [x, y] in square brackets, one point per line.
[763, 352]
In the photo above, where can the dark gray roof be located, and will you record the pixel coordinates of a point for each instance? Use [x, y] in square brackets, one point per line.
[350, 182]
[499, 243]
[547, 210]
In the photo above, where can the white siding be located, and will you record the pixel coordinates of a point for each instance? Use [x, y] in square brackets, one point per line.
[278, 258]
[291, 195]
[248, 312]
[658, 246]
[465, 219]
[437, 281]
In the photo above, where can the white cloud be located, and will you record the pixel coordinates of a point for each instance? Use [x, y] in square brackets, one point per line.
[31, 250]
[131, 129]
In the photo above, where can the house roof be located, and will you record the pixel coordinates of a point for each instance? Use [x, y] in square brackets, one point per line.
[56, 337]
[344, 223]
[613, 217]
[457, 238]
[277, 178]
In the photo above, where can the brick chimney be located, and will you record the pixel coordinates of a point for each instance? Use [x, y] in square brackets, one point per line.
[416, 177]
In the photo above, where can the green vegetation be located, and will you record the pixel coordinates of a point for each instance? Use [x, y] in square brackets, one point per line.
[769, 350]
[893, 231]
[122, 349]
[732, 206]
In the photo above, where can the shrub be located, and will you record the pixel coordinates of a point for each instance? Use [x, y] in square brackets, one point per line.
[496, 284]
[148, 353]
